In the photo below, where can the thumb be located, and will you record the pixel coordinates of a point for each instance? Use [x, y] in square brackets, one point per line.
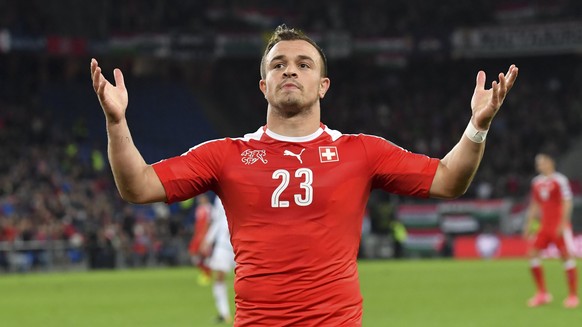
[119, 78]
[480, 83]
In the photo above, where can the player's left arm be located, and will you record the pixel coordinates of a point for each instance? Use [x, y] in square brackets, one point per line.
[567, 206]
[457, 169]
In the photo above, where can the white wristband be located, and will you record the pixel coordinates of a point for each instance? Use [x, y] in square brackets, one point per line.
[474, 134]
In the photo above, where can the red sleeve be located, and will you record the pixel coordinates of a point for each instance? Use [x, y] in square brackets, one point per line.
[533, 195]
[192, 173]
[397, 170]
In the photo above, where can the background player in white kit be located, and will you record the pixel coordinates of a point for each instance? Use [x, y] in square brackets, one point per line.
[221, 258]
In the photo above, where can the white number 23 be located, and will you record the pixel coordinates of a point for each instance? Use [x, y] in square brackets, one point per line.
[300, 199]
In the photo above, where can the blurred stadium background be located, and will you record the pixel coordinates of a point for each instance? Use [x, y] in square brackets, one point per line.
[404, 70]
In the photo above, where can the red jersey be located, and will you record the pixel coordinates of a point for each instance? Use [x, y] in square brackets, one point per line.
[202, 216]
[549, 192]
[295, 208]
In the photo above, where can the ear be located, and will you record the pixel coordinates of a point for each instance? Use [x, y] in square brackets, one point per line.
[263, 87]
[323, 86]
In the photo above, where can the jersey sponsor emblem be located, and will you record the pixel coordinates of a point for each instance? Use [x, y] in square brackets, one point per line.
[249, 157]
[328, 154]
[298, 156]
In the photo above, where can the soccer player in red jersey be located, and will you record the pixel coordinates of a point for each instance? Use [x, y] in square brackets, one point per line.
[201, 224]
[295, 190]
[551, 202]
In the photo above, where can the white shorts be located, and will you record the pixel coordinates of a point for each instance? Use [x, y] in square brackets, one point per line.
[221, 260]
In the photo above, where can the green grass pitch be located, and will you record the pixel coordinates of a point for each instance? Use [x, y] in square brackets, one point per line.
[396, 293]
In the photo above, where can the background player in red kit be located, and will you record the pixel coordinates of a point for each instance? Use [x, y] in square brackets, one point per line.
[551, 202]
[295, 191]
[201, 224]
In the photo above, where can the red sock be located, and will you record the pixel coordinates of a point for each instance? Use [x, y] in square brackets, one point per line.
[572, 277]
[538, 275]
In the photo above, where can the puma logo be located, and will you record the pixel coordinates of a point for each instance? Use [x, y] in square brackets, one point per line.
[298, 156]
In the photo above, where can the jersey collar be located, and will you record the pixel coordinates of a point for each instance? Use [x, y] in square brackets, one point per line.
[297, 139]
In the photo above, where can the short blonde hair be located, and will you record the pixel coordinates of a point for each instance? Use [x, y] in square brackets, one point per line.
[284, 33]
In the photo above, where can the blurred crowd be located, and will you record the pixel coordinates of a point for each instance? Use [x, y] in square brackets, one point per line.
[362, 18]
[55, 183]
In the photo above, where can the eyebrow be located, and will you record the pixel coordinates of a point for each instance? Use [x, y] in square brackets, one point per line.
[300, 57]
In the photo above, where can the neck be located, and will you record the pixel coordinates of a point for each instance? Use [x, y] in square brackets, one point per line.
[303, 123]
[548, 173]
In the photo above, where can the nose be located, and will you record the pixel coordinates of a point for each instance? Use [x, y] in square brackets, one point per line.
[290, 72]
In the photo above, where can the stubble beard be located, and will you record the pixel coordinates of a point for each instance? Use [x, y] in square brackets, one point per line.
[292, 105]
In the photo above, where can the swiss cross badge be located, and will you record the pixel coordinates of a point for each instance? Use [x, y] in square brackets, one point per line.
[328, 154]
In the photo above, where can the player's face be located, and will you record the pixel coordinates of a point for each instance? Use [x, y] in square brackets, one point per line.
[544, 164]
[293, 80]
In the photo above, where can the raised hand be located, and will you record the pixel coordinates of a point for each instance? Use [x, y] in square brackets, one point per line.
[486, 103]
[113, 99]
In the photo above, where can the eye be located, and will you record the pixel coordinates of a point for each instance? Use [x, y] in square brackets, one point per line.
[304, 65]
[278, 66]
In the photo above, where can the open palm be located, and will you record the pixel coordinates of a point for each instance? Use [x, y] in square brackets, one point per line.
[486, 103]
[113, 99]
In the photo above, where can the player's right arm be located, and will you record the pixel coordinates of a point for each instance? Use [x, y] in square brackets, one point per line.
[136, 181]
[532, 213]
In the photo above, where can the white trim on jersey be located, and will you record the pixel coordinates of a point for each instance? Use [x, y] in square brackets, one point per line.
[564, 186]
[565, 189]
[333, 133]
[252, 136]
[261, 131]
[296, 139]
[200, 144]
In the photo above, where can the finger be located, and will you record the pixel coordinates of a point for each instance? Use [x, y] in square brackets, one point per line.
[512, 76]
[101, 88]
[502, 86]
[97, 78]
[511, 73]
[480, 83]
[93, 66]
[99, 82]
[119, 82]
[511, 67]
[495, 94]
[512, 70]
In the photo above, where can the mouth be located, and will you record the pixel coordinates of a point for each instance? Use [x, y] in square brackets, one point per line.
[289, 86]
